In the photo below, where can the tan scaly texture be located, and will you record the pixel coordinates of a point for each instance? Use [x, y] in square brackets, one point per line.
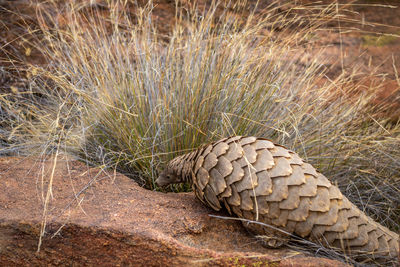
[261, 181]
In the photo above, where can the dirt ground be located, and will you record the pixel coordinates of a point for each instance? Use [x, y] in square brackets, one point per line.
[118, 223]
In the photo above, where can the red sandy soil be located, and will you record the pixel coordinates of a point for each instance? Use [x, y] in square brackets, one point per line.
[115, 222]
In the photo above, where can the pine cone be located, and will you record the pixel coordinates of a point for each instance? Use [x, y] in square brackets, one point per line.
[261, 181]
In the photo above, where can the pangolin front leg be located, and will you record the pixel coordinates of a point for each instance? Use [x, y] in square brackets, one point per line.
[258, 180]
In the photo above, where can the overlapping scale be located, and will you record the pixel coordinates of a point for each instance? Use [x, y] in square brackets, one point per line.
[255, 179]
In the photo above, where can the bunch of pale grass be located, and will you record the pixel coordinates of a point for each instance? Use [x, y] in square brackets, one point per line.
[116, 94]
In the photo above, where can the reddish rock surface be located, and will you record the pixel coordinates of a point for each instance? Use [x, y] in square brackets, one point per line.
[115, 222]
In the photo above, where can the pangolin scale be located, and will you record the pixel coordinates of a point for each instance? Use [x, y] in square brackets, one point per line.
[258, 180]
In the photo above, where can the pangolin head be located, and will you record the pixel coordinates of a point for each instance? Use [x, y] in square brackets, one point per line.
[170, 174]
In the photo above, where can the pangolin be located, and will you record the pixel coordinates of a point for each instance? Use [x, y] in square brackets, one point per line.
[255, 179]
